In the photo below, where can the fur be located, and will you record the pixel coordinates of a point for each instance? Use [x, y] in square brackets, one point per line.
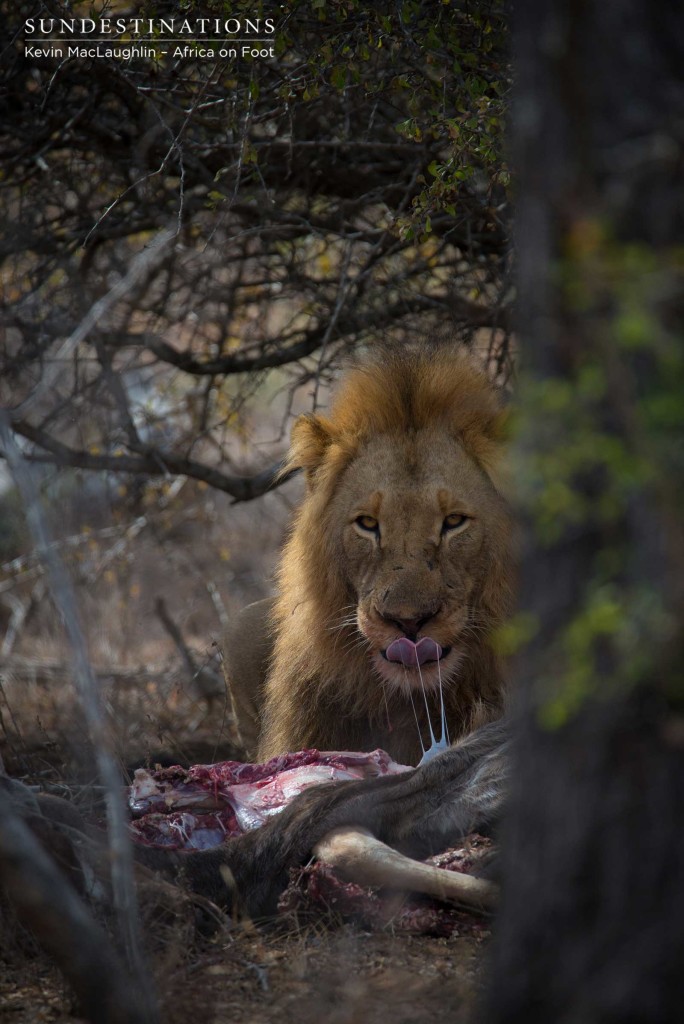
[409, 410]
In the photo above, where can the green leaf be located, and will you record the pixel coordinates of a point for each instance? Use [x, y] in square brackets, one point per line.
[338, 76]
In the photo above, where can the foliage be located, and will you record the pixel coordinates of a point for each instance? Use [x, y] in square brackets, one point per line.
[609, 465]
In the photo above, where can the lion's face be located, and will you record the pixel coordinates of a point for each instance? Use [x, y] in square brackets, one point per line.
[399, 564]
[419, 528]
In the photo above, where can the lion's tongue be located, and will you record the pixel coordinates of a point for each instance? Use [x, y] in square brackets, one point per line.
[407, 653]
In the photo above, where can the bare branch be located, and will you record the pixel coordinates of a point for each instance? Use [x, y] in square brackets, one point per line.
[310, 343]
[123, 889]
[141, 266]
[153, 463]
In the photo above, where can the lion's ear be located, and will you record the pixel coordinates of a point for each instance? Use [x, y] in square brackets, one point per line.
[311, 437]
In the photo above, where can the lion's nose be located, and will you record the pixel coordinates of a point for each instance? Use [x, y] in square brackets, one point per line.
[410, 626]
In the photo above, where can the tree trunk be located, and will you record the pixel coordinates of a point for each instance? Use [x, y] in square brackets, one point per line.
[592, 921]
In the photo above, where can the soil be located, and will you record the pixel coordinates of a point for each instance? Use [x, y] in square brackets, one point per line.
[338, 975]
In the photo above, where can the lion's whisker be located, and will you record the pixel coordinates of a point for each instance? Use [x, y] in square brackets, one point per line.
[427, 707]
[357, 640]
[346, 620]
[436, 746]
[445, 727]
[475, 624]
[415, 713]
[350, 641]
[342, 625]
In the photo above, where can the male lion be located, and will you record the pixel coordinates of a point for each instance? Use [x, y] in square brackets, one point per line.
[397, 570]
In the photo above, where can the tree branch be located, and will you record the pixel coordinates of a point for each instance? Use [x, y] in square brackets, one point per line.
[151, 462]
[313, 339]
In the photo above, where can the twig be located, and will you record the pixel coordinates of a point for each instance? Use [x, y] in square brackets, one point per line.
[219, 606]
[140, 267]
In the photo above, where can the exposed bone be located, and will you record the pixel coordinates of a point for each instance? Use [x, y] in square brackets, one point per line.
[359, 857]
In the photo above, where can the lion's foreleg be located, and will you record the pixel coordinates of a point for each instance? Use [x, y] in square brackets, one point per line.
[247, 646]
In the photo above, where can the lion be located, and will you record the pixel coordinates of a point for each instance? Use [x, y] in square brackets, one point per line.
[397, 570]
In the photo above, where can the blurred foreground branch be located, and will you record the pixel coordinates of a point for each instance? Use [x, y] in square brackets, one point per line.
[48, 906]
[121, 863]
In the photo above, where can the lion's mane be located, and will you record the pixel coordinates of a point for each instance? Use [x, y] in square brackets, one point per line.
[321, 689]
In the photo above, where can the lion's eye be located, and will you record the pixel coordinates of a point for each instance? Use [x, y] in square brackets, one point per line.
[454, 521]
[367, 523]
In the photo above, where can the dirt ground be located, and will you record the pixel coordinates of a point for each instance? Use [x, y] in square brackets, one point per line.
[340, 976]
